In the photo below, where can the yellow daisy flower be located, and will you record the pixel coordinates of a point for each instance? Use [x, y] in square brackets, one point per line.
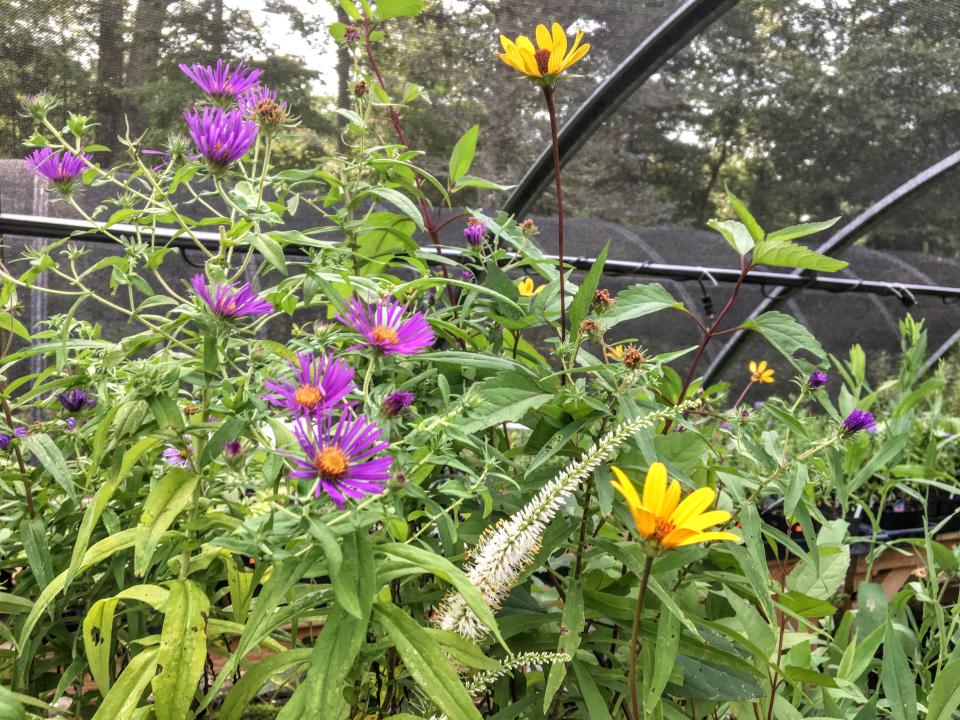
[615, 352]
[526, 288]
[759, 372]
[543, 64]
[665, 521]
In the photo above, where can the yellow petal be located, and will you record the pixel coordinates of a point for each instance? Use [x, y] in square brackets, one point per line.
[543, 38]
[506, 42]
[573, 57]
[625, 487]
[694, 504]
[671, 499]
[646, 522]
[753, 367]
[524, 42]
[559, 40]
[707, 537]
[705, 520]
[676, 536]
[655, 487]
[529, 62]
[761, 368]
[512, 59]
[539, 290]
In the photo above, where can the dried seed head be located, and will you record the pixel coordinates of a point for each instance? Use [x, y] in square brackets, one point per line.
[602, 300]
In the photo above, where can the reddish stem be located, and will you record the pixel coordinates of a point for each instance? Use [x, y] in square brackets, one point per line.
[552, 109]
[710, 333]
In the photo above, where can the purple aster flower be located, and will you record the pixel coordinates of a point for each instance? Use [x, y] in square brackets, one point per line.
[395, 403]
[222, 137]
[231, 302]
[76, 400]
[340, 457]
[70, 423]
[758, 404]
[475, 231]
[5, 441]
[61, 167]
[21, 432]
[232, 449]
[319, 383]
[859, 420]
[219, 82]
[177, 456]
[817, 379]
[385, 328]
[260, 104]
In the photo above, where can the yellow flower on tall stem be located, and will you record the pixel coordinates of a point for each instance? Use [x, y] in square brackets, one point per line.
[665, 522]
[543, 64]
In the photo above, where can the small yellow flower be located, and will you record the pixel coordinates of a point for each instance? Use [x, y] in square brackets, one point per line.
[615, 352]
[759, 372]
[526, 288]
[545, 63]
[665, 521]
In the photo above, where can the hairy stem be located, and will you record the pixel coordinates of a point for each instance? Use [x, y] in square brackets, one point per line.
[635, 639]
[552, 109]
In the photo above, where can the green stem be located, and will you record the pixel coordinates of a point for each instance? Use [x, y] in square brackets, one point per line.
[635, 639]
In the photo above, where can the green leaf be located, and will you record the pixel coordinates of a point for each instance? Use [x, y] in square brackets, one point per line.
[580, 306]
[705, 681]
[469, 181]
[45, 450]
[237, 701]
[350, 9]
[267, 245]
[506, 397]
[10, 706]
[898, 682]
[821, 577]
[756, 232]
[804, 605]
[596, 705]
[166, 500]
[10, 324]
[448, 572]
[183, 650]
[400, 201]
[786, 335]
[944, 697]
[33, 535]
[664, 657]
[398, 8]
[229, 430]
[95, 509]
[571, 628]
[426, 663]
[735, 233]
[639, 300]
[124, 696]
[872, 607]
[798, 231]
[343, 635]
[783, 253]
[462, 156]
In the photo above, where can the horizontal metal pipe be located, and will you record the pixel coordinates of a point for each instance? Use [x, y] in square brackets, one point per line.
[37, 226]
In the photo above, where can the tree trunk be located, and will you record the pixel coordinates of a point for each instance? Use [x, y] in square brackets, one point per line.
[344, 73]
[144, 54]
[109, 74]
[218, 36]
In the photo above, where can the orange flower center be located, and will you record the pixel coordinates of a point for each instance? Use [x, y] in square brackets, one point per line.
[543, 60]
[308, 396]
[383, 335]
[331, 463]
[663, 528]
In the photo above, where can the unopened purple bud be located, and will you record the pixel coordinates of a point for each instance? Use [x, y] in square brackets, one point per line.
[859, 420]
[475, 231]
[467, 276]
[232, 449]
[5, 441]
[21, 432]
[817, 379]
[398, 402]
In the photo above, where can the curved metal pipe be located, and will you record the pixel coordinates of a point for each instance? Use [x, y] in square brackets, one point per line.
[649, 56]
[840, 240]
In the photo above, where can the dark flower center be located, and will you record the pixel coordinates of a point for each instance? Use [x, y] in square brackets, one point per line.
[269, 112]
[308, 396]
[543, 60]
[331, 463]
[663, 528]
